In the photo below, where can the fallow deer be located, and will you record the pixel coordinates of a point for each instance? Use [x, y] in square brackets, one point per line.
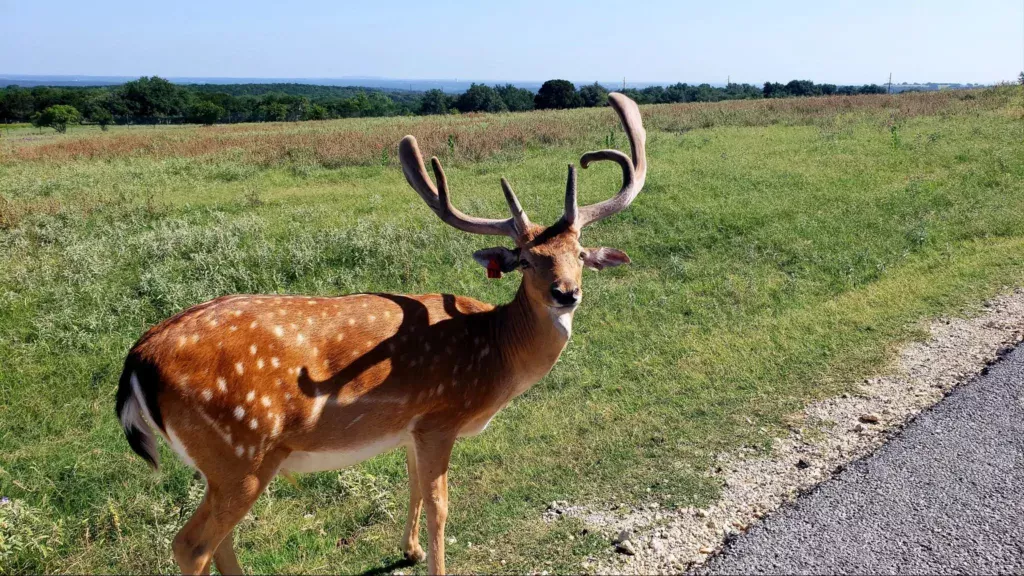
[244, 387]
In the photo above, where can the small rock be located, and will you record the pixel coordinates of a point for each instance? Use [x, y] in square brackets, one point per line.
[858, 428]
[802, 464]
[452, 540]
[657, 545]
[623, 536]
[869, 418]
[700, 513]
[711, 524]
[625, 548]
[706, 550]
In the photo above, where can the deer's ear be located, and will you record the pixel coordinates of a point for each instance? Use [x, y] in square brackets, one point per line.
[506, 260]
[598, 258]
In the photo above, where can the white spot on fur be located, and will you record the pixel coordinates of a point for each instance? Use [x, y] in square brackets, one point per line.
[351, 322]
[253, 424]
[252, 325]
[206, 395]
[239, 450]
[239, 413]
[252, 450]
[233, 328]
[259, 363]
[195, 338]
[222, 384]
[250, 396]
[275, 362]
[239, 368]
[265, 400]
[252, 349]
[278, 331]
[300, 338]
[485, 351]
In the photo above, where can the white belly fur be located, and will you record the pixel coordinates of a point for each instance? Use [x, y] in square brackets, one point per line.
[321, 461]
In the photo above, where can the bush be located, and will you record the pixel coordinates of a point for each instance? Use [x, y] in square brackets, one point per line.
[57, 117]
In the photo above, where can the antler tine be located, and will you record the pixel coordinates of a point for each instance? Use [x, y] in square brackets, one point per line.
[634, 170]
[518, 214]
[416, 174]
[571, 210]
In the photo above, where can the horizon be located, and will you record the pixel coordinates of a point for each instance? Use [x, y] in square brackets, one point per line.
[744, 41]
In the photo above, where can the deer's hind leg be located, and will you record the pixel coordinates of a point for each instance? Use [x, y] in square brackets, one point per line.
[224, 558]
[206, 536]
[411, 540]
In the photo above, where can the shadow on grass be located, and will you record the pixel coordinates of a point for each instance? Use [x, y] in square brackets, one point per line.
[390, 567]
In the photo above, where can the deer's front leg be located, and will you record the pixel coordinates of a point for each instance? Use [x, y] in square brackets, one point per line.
[411, 541]
[433, 452]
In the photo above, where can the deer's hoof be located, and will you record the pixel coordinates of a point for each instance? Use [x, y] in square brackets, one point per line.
[416, 555]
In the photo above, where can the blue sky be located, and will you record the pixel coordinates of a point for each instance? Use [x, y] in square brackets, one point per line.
[839, 41]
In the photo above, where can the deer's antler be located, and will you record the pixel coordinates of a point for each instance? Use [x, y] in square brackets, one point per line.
[439, 201]
[634, 170]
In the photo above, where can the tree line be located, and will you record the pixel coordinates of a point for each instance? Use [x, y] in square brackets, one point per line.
[154, 100]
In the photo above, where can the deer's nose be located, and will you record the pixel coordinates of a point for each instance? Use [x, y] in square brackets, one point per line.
[565, 295]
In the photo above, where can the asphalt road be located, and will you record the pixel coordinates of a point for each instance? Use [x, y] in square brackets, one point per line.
[944, 496]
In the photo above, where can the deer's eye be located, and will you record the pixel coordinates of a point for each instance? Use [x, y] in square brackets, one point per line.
[583, 255]
[524, 264]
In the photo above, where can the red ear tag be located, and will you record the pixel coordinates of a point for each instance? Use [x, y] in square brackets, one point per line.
[493, 268]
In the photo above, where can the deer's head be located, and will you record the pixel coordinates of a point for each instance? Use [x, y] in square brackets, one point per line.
[551, 258]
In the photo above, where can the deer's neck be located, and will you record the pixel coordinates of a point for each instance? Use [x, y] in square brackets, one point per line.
[531, 337]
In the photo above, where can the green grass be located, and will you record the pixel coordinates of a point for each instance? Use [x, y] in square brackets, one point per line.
[772, 265]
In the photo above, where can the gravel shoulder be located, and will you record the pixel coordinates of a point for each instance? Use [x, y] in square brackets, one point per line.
[833, 433]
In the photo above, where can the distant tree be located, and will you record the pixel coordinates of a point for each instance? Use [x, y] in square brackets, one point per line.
[774, 90]
[515, 99]
[557, 94]
[206, 113]
[103, 117]
[435, 102]
[316, 112]
[1020, 79]
[594, 95]
[275, 112]
[480, 98]
[16, 105]
[153, 98]
[57, 117]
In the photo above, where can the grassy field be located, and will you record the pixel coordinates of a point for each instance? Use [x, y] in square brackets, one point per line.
[781, 250]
